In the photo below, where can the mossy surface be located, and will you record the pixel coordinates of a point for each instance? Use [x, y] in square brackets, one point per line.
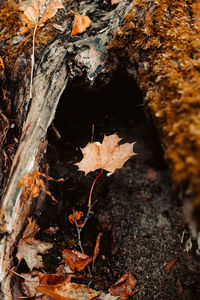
[16, 35]
[162, 40]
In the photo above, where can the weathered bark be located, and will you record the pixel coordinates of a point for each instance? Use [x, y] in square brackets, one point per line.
[159, 44]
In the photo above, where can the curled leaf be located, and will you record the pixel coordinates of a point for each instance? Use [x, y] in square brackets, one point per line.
[75, 259]
[123, 287]
[171, 264]
[68, 291]
[96, 248]
[78, 216]
[80, 24]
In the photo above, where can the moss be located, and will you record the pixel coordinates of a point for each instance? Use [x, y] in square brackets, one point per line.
[162, 40]
[16, 34]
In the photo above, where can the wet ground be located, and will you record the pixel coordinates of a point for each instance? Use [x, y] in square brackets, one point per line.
[136, 210]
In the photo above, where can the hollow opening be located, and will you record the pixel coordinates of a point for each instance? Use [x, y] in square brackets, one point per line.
[134, 209]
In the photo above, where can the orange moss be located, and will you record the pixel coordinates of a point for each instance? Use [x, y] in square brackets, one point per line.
[162, 39]
[16, 37]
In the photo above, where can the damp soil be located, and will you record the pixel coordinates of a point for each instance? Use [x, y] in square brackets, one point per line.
[137, 212]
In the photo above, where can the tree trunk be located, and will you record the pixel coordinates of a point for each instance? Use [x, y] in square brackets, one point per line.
[159, 46]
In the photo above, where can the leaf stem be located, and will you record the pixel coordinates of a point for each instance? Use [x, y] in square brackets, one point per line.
[90, 196]
[33, 60]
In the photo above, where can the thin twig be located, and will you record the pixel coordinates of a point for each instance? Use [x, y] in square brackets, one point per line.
[79, 229]
[19, 275]
[33, 60]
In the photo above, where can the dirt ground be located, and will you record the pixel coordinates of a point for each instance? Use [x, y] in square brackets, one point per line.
[137, 212]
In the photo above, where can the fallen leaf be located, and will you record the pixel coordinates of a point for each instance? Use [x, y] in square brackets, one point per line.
[68, 291]
[104, 296]
[33, 184]
[80, 24]
[96, 249]
[78, 216]
[29, 248]
[114, 2]
[123, 287]
[108, 155]
[39, 11]
[2, 64]
[31, 280]
[171, 264]
[54, 279]
[75, 259]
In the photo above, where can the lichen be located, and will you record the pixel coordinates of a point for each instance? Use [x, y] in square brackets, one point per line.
[162, 41]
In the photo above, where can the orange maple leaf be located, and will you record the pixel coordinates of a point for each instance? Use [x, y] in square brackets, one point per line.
[39, 11]
[80, 24]
[108, 155]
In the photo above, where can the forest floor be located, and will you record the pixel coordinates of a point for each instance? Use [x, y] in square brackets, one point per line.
[137, 212]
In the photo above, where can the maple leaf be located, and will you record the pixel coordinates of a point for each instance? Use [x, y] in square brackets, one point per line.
[39, 11]
[29, 248]
[108, 155]
[80, 24]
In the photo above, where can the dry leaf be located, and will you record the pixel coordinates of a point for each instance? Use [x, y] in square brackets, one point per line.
[39, 11]
[171, 264]
[32, 184]
[68, 291]
[78, 216]
[54, 279]
[2, 64]
[96, 249]
[108, 155]
[31, 280]
[123, 287]
[29, 248]
[75, 259]
[80, 24]
[115, 2]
